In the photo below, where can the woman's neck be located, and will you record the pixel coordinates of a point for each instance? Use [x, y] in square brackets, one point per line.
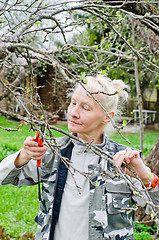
[91, 139]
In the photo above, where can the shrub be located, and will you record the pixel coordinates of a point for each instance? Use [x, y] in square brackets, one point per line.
[6, 150]
[144, 232]
[142, 236]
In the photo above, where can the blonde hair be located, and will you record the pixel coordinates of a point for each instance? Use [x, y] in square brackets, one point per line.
[110, 93]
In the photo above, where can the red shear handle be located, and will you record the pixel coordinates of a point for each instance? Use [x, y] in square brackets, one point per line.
[40, 142]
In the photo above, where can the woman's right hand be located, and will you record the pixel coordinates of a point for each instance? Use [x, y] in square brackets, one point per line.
[31, 150]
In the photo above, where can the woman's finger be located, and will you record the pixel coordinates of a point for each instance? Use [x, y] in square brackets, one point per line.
[30, 142]
[33, 150]
[36, 155]
[131, 155]
[119, 158]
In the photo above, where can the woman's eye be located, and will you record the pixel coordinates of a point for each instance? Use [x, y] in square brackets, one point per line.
[86, 108]
[73, 103]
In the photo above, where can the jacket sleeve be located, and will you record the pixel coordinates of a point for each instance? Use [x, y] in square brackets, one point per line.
[154, 195]
[9, 174]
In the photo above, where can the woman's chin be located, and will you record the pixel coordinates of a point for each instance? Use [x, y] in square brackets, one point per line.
[73, 129]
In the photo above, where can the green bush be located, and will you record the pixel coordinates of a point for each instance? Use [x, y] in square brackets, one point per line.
[142, 236]
[144, 232]
[6, 150]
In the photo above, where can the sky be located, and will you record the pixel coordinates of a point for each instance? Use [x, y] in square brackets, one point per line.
[60, 17]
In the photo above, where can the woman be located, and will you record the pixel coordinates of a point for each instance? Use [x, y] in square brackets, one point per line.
[104, 207]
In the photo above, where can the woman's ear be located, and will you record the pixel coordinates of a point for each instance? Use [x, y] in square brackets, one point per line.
[107, 119]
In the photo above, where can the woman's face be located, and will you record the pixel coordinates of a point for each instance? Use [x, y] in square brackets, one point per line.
[85, 116]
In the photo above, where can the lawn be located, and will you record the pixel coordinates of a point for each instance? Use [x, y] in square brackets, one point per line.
[18, 207]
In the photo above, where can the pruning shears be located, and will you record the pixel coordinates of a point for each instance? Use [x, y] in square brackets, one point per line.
[40, 143]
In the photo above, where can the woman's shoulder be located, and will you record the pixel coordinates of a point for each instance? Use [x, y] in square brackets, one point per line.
[114, 146]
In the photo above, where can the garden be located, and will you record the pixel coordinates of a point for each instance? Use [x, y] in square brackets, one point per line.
[19, 206]
[46, 48]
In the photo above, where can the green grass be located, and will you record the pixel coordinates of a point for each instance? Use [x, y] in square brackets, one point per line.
[18, 207]
[149, 140]
[17, 138]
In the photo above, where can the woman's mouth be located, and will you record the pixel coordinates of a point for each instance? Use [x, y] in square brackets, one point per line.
[74, 122]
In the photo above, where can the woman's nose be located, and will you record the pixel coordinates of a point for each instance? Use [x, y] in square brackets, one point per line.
[75, 112]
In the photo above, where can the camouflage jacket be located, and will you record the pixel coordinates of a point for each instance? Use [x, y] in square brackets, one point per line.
[111, 203]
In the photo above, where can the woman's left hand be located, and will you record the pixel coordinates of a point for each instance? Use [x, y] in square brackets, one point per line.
[132, 159]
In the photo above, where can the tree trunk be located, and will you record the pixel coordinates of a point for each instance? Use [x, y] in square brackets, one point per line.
[157, 109]
[152, 160]
[139, 96]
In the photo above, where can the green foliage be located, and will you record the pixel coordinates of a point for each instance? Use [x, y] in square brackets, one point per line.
[82, 77]
[143, 232]
[100, 36]
[144, 228]
[142, 236]
[6, 150]
[124, 123]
